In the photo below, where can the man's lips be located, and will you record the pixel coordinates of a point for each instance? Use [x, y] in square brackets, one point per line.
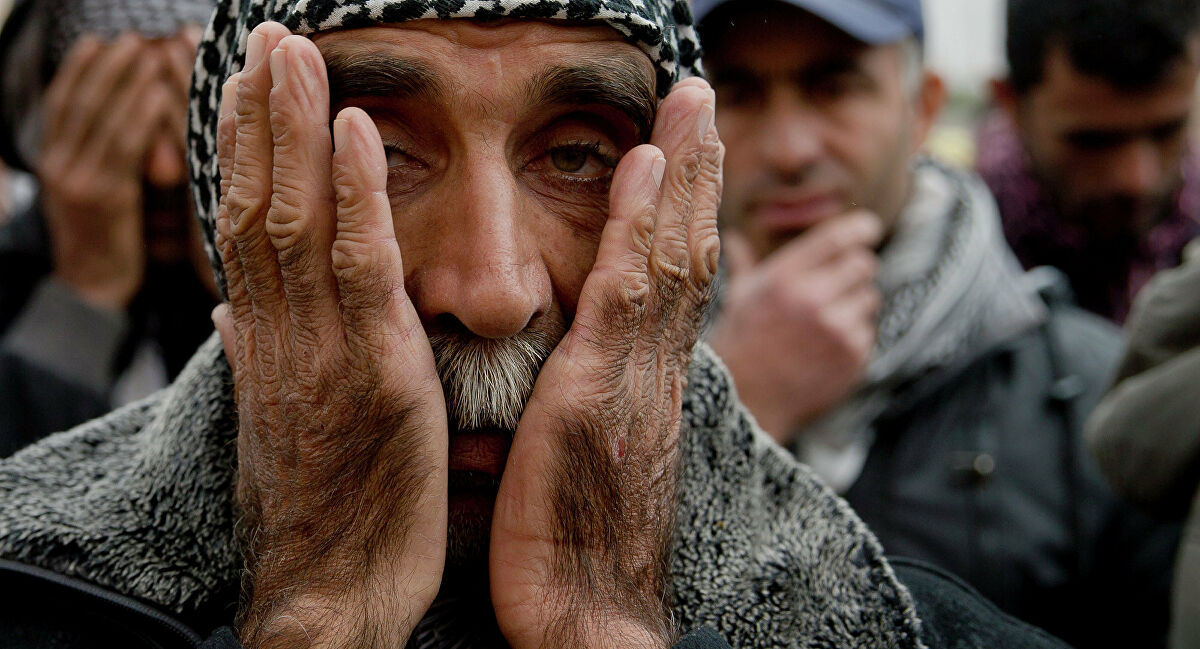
[483, 451]
[796, 213]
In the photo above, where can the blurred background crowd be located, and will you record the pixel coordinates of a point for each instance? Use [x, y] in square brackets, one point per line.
[956, 271]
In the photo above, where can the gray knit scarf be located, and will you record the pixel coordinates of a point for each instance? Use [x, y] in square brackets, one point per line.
[951, 288]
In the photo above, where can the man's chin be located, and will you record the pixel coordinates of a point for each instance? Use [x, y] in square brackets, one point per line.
[472, 496]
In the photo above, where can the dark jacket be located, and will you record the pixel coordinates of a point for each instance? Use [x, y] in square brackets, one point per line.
[982, 470]
[953, 615]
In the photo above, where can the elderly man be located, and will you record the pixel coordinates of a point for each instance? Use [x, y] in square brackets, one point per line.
[465, 406]
[876, 323]
[1089, 158]
[103, 281]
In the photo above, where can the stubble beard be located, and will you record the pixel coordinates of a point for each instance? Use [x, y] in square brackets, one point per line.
[486, 383]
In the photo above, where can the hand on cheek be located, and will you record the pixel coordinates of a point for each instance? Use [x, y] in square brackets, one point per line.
[342, 425]
[584, 516]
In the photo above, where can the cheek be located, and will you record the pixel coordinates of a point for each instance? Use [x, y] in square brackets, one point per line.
[566, 214]
[568, 237]
[865, 139]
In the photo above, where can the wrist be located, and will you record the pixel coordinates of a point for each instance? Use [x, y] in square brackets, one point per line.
[324, 618]
[612, 631]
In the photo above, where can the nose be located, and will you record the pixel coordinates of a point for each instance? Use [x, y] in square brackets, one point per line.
[1137, 168]
[479, 261]
[789, 136]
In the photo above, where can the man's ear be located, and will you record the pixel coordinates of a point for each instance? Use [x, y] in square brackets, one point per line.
[929, 101]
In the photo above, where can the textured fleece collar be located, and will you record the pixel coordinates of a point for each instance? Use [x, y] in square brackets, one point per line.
[140, 502]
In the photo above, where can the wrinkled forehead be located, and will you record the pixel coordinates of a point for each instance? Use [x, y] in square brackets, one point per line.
[462, 42]
[459, 62]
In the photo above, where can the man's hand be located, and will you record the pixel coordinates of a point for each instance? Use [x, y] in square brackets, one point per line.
[105, 109]
[585, 510]
[797, 329]
[342, 441]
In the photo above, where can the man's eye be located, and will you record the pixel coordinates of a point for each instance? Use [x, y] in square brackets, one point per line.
[588, 159]
[396, 157]
[568, 160]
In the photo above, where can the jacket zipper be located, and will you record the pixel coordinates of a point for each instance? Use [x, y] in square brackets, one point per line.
[127, 604]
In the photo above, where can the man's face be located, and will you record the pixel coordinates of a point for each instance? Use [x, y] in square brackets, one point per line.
[814, 123]
[1109, 157]
[501, 142]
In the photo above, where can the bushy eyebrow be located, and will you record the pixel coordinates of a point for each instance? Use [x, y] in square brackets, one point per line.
[618, 82]
[356, 74]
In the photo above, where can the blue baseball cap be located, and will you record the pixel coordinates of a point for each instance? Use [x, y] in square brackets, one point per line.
[874, 22]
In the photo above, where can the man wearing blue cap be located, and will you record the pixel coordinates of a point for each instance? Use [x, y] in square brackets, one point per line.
[877, 324]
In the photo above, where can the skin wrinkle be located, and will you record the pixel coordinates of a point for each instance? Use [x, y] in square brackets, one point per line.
[618, 82]
[449, 227]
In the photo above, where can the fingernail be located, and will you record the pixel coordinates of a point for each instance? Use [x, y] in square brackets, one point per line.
[278, 65]
[705, 120]
[256, 47]
[229, 95]
[339, 133]
[657, 169]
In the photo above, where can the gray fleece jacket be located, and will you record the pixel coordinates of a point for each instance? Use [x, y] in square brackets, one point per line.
[140, 502]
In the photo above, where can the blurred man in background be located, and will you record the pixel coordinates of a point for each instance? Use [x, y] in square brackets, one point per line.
[877, 324]
[104, 282]
[1089, 161]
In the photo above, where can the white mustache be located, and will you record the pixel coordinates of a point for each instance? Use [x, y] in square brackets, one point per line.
[487, 381]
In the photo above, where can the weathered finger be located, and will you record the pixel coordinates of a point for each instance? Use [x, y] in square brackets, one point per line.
[827, 240]
[614, 295]
[235, 280]
[116, 66]
[684, 120]
[226, 140]
[300, 221]
[223, 323]
[227, 131]
[703, 236]
[249, 195]
[365, 254]
[59, 105]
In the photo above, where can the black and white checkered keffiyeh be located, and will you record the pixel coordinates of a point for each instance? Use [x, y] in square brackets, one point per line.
[109, 18]
[660, 28]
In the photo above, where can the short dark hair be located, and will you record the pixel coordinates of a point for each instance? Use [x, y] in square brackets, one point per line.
[1131, 44]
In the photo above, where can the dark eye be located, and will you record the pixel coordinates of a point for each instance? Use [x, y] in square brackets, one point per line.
[568, 160]
[582, 159]
[396, 157]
